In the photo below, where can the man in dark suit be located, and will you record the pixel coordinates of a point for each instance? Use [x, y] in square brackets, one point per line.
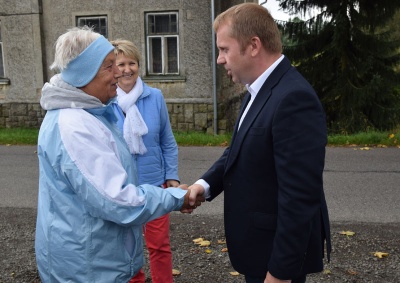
[276, 217]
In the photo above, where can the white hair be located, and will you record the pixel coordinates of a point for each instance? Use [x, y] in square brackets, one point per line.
[70, 44]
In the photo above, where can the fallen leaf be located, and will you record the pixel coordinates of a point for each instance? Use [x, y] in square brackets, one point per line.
[225, 143]
[380, 254]
[198, 240]
[234, 273]
[351, 272]
[224, 250]
[391, 136]
[221, 242]
[327, 271]
[208, 251]
[347, 233]
[176, 272]
[364, 148]
[204, 243]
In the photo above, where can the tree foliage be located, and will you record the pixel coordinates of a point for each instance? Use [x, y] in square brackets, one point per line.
[349, 54]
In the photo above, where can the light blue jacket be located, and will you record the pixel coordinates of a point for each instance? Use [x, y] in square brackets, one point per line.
[90, 213]
[160, 162]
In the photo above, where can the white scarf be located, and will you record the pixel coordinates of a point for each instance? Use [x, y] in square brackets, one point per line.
[134, 125]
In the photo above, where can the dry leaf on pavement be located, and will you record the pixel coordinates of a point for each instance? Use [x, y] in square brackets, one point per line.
[380, 254]
[347, 233]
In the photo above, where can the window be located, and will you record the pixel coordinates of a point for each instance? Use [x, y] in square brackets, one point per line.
[98, 23]
[1, 56]
[162, 43]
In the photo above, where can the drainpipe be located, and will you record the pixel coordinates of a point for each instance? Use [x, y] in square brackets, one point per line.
[213, 63]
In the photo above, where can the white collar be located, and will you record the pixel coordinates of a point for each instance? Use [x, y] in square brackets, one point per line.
[255, 87]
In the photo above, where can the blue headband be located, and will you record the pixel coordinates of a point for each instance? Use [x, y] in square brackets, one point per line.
[81, 70]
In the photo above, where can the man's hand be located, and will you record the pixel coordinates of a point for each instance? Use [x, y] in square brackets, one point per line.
[197, 193]
[184, 186]
[193, 198]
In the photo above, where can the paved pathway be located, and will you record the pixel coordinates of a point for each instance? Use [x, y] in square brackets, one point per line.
[360, 185]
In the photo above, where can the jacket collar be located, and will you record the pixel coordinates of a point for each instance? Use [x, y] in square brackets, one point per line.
[106, 111]
[146, 91]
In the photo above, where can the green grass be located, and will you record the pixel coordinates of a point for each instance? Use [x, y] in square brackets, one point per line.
[18, 136]
[371, 138]
[22, 136]
[201, 139]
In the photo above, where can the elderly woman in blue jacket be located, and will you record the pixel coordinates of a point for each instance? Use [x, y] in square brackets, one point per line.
[145, 124]
[90, 209]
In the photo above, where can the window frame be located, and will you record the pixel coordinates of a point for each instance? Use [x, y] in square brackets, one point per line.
[163, 36]
[92, 17]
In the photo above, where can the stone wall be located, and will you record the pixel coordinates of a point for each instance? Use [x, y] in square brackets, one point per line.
[184, 117]
[27, 115]
[189, 117]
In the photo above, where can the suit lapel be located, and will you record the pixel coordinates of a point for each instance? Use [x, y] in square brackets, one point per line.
[254, 111]
[246, 100]
[240, 134]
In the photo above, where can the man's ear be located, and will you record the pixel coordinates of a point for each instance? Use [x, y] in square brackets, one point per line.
[256, 45]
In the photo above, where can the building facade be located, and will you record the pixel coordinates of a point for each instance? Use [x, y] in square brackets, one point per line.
[175, 38]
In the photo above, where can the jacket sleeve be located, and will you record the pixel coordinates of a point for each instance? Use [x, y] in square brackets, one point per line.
[168, 143]
[299, 151]
[214, 175]
[92, 167]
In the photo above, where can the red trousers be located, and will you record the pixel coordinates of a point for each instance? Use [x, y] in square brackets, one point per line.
[156, 234]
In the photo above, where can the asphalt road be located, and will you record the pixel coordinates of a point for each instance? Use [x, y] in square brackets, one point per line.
[360, 185]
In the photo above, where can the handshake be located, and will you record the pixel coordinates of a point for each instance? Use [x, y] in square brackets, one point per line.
[193, 198]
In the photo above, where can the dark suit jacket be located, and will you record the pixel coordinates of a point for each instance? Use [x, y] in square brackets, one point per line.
[276, 218]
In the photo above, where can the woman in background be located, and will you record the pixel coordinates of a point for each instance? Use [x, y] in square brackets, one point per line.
[145, 124]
